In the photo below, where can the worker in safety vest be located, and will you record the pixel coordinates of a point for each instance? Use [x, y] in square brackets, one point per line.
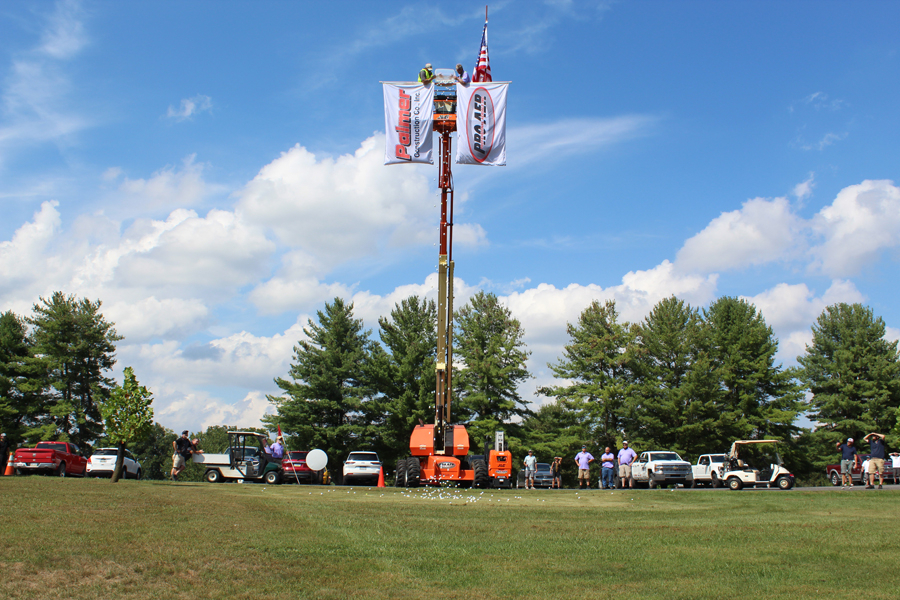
[426, 74]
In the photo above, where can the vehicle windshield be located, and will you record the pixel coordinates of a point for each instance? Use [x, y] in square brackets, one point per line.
[106, 452]
[51, 446]
[717, 457]
[298, 455]
[543, 466]
[664, 456]
[363, 456]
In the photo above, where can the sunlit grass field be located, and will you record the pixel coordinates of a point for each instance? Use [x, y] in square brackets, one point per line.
[74, 538]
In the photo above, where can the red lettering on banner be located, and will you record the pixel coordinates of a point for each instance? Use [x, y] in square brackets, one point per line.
[403, 128]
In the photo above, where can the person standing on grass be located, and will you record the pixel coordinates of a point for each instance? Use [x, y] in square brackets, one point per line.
[849, 460]
[626, 457]
[278, 448]
[183, 448]
[530, 463]
[606, 466]
[584, 459]
[876, 460]
[556, 472]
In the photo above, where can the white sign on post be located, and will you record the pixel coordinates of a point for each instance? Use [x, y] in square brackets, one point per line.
[408, 116]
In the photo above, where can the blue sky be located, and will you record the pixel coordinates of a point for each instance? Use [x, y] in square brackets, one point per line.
[212, 171]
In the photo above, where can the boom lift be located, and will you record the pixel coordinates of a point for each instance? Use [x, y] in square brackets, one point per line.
[439, 451]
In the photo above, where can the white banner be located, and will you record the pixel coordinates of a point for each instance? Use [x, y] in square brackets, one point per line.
[408, 112]
[481, 123]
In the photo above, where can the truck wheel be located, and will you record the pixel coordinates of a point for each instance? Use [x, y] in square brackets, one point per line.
[716, 482]
[784, 483]
[413, 472]
[61, 470]
[735, 484]
[481, 474]
[140, 475]
[650, 483]
[213, 476]
[835, 479]
[693, 483]
[273, 478]
[400, 473]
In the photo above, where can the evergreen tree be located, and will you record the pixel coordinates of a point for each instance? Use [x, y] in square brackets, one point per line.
[554, 430]
[406, 375]
[598, 363]
[328, 401]
[758, 398]
[488, 342]
[128, 415]
[852, 372]
[77, 346]
[674, 405]
[21, 379]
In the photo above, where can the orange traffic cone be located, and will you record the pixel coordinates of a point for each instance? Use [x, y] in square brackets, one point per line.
[381, 477]
[9, 467]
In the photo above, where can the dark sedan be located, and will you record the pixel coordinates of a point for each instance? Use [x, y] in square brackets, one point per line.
[542, 476]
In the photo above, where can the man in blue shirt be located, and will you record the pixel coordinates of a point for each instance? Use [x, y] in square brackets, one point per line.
[849, 460]
[876, 462]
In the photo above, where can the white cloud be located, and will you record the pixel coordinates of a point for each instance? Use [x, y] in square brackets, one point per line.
[827, 140]
[167, 188]
[804, 190]
[761, 231]
[35, 93]
[190, 107]
[149, 318]
[340, 209]
[862, 222]
[540, 143]
[892, 334]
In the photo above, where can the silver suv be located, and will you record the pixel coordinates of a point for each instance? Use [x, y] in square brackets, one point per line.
[362, 467]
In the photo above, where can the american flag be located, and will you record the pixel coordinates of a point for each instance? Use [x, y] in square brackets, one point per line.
[483, 68]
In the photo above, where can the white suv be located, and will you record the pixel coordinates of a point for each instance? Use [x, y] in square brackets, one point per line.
[362, 467]
[103, 462]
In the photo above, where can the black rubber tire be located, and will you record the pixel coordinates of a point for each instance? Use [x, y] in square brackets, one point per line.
[273, 477]
[693, 483]
[413, 472]
[482, 480]
[652, 484]
[716, 482]
[735, 484]
[60, 470]
[213, 476]
[836, 479]
[139, 475]
[784, 483]
[400, 473]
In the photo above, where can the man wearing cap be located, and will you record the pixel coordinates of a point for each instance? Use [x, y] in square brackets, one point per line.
[849, 460]
[4, 452]
[626, 457]
[584, 459]
[530, 463]
[461, 76]
[278, 448]
[183, 449]
[876, 462]
[426, 74]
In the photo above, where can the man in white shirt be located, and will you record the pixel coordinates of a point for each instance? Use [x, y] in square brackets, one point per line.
[530, 463]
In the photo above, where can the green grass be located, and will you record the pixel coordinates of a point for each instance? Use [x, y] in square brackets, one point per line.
[90, 539]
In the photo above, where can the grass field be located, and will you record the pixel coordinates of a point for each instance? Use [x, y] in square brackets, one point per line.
[74, 538]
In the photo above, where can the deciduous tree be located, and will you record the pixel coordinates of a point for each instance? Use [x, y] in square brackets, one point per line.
[128, 415]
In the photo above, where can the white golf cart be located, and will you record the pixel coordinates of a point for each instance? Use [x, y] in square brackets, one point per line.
[737, 472]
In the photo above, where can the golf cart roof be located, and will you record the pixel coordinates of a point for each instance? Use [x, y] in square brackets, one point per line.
[248, 433]
[734, 447]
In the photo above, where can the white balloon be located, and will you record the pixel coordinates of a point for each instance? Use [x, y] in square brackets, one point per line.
[316, 460]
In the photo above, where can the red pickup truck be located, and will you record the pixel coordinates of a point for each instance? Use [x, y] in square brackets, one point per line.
[54, 458]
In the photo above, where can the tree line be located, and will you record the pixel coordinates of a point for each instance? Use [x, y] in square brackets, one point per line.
[685, 379]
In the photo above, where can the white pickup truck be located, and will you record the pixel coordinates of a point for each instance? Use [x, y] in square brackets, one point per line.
[706, 471]
[661, 468]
